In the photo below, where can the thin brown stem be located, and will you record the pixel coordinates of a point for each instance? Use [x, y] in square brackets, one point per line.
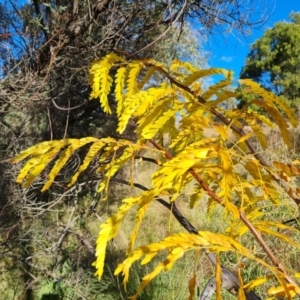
[243, 218]
[228, 276]
[266, 248]
[239, 131]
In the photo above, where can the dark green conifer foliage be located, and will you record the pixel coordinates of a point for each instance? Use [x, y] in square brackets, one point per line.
[274, 59]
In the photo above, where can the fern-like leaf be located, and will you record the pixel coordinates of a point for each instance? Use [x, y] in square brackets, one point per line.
[204, 73]
[119, 89]
[146, 78]
[109, 230]
[177, 64]
[178, 244]
[212, 90]
[270, 99]
[64, 157]
[134, 69]
[93, 151]
[152, 128]
[278, 118]
[101, 81]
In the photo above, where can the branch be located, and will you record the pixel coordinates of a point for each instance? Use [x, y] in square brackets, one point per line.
[230, 280]
[73, 30]
[163, 34]
[37, 10]
[239, 131]
[171, 207]
[243, 218]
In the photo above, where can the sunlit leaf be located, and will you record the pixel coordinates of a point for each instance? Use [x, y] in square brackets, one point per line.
[218, 277]
[192, 286]
[282, 291]
[257, 282]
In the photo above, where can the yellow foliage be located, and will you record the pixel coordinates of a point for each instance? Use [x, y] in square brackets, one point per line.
[278, 118]
[271, 99]
[101, 81]
[178, 244]
[230, 173]
[177, 64]
[257, 282]
[204, 73]
[241, 294]
[218, 277]
[192, 285]
[288, 290]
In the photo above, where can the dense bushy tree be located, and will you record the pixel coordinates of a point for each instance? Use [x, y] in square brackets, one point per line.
[274, 59]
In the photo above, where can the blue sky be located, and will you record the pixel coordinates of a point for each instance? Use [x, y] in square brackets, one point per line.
[230, 52]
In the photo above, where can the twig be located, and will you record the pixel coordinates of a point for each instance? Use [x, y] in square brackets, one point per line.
[255, 233]
[69, 108]
[239, 131]
[229, 279]
[50, 123]
[67, 120]
[163, 34]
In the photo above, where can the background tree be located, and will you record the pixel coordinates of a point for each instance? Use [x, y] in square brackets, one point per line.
[274, 59]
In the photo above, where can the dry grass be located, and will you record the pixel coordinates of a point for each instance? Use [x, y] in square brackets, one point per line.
[157, 224]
